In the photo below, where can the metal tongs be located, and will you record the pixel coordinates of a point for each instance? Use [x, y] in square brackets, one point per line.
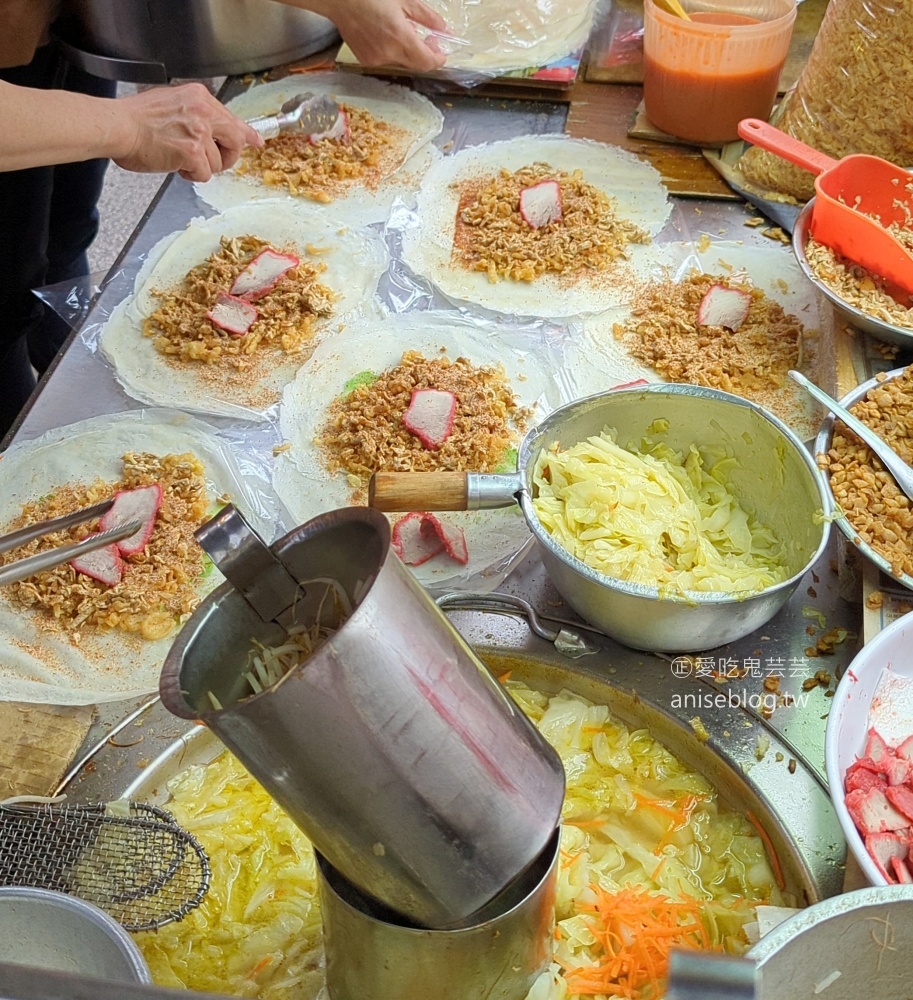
[313, 115]
[24, 568]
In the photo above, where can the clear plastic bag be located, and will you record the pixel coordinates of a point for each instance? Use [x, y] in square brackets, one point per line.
[853, 96]
[487, 38]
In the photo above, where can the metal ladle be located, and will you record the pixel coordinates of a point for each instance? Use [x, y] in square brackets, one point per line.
[889, 458]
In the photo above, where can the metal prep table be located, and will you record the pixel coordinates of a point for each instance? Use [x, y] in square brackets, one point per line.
[82, 384]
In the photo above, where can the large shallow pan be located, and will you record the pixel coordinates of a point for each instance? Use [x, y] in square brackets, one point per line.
[776, 478]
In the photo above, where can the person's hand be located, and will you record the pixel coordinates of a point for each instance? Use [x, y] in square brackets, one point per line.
[180, 128]
[379, 32]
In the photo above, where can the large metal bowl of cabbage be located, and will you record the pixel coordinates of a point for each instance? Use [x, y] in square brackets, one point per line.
[673, 517]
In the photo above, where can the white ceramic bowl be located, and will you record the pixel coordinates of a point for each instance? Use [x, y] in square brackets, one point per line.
[848, 721]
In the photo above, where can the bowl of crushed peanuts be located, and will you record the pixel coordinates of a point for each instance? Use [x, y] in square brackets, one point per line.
[859, 296]
[875, 514]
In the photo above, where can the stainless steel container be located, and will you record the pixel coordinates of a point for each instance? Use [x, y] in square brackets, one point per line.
[370, 955]
[392, 747]
[152, 41]
[850, 946]
[62, 933]
[774, 477]
[877, 328]
[823, 446]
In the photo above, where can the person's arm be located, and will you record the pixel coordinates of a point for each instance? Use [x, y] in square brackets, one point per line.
[168, 128]
[379, 32]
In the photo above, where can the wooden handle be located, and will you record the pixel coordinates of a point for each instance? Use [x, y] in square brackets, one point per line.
[402, 491]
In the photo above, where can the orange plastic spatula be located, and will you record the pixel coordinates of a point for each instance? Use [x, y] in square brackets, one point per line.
[853, 194]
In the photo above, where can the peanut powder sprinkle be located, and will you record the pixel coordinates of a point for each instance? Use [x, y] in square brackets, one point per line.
[158, 591]
[364, 432]
[286, 315]
[879, 511]
[857, 286]
[492, 236]
[321, 171]
[753, 361]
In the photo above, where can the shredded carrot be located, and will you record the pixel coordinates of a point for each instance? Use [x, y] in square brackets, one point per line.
[656, 805]
[591, 729]
[558, 933]
[267, 960]
[584, 823]
[635, 931]
[771, 851]
[505, 677]
[659, 868]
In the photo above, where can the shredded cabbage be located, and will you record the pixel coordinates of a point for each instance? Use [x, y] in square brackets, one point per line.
[653, 516]
[258, 932]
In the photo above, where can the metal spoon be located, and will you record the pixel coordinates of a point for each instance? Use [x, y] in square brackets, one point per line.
[889, 458]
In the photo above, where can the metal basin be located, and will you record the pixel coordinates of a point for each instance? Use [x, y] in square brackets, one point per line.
[774, 477]
[152, 41]
[878, 328]
[50, 930]
[794, 808]
[822, 446]
[865, 936]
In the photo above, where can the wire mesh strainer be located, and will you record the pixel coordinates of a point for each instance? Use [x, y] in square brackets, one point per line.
[129, 858]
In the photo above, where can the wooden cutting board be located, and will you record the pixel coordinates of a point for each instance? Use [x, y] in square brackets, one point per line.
[38, 745]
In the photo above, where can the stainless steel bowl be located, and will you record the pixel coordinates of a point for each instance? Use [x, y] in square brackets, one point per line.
[776, 479]
[878, 328]
[822, 446]
[152, 41]
[865, 936]
[64, 934]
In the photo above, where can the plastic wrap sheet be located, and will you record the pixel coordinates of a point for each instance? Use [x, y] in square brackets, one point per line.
[427, 233]
[417, 118]
[41, 664]
[71, 300]
[529, 355]
[355, 260]
[491, 37]
[598, 360]
[852, 97]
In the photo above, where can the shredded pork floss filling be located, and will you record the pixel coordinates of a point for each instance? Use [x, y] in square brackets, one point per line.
[181, 329]
[655, 517]
[320, 171]
[159, 589]
[364, 432]
[492, 236]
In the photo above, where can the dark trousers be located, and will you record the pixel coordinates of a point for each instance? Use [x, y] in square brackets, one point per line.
[48, 219]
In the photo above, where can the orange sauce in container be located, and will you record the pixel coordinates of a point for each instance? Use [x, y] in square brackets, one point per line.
[702, 77]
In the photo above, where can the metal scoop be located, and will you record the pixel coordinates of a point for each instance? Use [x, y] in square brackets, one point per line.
[858, 198]
[889, 458]
[311, 114]
[400, 757]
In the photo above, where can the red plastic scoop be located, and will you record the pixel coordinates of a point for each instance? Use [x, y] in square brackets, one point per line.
[850, 192]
